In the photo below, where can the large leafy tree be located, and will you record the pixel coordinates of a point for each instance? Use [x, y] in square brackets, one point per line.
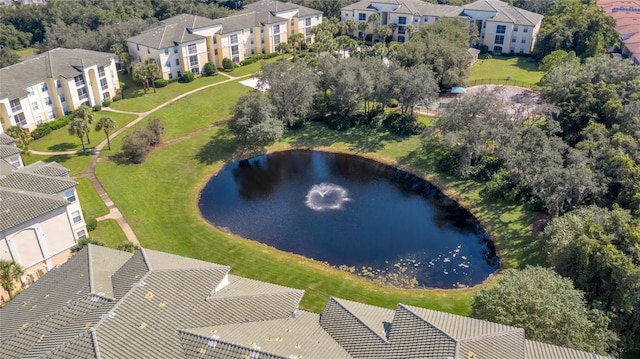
[290, 87]
[254, 120]
[576, 25]
[599, 249]
[548, 307]
[10, 272]
[107, 125]
[412, 85]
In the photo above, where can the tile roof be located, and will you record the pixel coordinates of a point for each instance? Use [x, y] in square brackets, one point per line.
[8, 151]
[264, 6]
[506, 12]
[177, 307]
[6, 139]
[421, 8]
[51, 169]
[17, 206]
[51, 64]
[173, 31]
[23, 180]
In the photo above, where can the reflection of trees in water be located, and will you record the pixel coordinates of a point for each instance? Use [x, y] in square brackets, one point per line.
[355, 167]
[259, 177]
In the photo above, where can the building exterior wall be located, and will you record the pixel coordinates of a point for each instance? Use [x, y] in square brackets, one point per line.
[43, 101]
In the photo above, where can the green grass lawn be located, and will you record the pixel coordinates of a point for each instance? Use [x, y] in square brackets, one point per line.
[191, 113]
[90, 200]
[26, 52]
[77, 163]
[501, 67]
[61, 140]
[109, 233]
[137, 101]
[254, 67]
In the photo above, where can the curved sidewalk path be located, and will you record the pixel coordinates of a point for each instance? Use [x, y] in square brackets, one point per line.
[90, 173]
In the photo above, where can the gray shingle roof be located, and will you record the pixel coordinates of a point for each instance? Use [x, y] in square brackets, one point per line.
[173, 31]
[17, 207]
[36, 69]
[274, 7]
[421, 8]
[8, 151]
[51, 169]
[6, 139]
[172, 309]
[32, 182]
[506, 12]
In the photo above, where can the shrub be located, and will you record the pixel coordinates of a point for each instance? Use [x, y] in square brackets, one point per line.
[123, 85]
[136, 144]
[156, 129]
[402, 124]
[92, 223]
[42, 130]
[483, 49]
[107, 102]
[187, 77]
[160, 83]
[393, 103]
[227, 64]
[83, 242]
[127, 247]
[59, 122]
[97, 108]
[209, 69]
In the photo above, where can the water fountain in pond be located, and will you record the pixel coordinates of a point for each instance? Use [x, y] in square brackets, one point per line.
[326, 196]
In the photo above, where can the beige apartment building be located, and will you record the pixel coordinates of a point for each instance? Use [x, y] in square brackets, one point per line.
[186, 42]
[502, 28]
[51, 84]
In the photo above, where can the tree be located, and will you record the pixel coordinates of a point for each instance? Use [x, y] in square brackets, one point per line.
[8, 57]
[350, 26]
[290, 87]
[410, 29]
[124, 57]
[372, 21]
[362, 27]
[84, 113]
[152, 71]
[22, 136]
[84, 242]
[156, 129]
[295, 42]
[559, 58]
[10, 272]
[79, 127]
[548, 307]
[576, 25]
[254, 122]
[136, 144]
[598, 249]
[139, 73]
[106, 124]
[412, 85]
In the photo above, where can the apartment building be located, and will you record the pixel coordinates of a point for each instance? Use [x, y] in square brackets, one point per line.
[501, 27]
[51, 84]
[627, 16]
[41, 216]
[186, 42]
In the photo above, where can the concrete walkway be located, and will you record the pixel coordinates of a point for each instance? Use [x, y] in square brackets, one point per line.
[90, 173]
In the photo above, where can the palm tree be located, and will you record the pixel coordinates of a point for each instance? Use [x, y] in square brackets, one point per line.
[152, 71]
[22, 137]
[393, 27]
[10, 272]
[86, 114]
[79, 128]
[107, 125]
[373, 22]
[383, 31]
[362, 27]
[350, 26]
[123, 56]
[295, 42]
[139, 73]
[410, 29]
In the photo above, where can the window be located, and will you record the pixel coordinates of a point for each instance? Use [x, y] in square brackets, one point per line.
[307, 31]
[251, 29]
[76, 217]
[101, 71]
[15, 105]
[362, 16]
[79, 80]
[30, 91]
[47, 101]
[233, 39]
[234, 50]
[513, 39]
[58, 84]
[195, 70]
[501, 29]
[499, 39]
[82, 93]
[19, 119]
[525, 29]
[523, 41]
[148, 51]
[170, 75]
[192, 49]
[177, 62]
[34, 106]
[402, 30]
[276, 29]
[307, 21]
[175, 49]
[167, 63]
[215, 52]
[515, 28]
[521, 50]
[51, 115]
[416, 19]
[15, 161]
[138, 47]
[166, 51]
[70, 195]
[252, 41]
[426, 19]
[103, 84]
[82, 234]
[400, 38]
[193, 60]
[62, 99]
[106, 95]
[402, 20]
[497, 49]
[45, 87]
[179, 73]
[38, 120]
[276, 40]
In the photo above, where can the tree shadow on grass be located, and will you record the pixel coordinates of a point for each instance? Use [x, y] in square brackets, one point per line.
[64, 146]
[220, 147]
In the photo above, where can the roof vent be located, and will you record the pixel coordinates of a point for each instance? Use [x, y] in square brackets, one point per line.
[162, 304]
[202, 351]
[112, 315]
[142, 325]
[149, 295]
[472, 355]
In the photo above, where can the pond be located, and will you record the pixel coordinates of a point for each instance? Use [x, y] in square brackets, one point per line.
[354, 213]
